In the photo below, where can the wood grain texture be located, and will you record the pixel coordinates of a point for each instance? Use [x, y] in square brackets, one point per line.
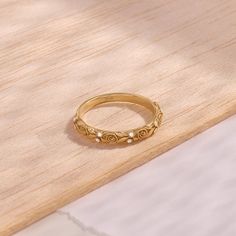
[55, 54]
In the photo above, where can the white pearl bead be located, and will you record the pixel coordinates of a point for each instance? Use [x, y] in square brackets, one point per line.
[97, 140]
[131, 134]
[129, 140]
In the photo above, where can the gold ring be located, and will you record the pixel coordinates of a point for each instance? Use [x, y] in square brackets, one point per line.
[118, 137]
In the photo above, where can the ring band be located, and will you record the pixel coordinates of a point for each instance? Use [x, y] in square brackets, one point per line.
[117, 137]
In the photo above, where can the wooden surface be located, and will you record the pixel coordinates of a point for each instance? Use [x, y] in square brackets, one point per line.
[56, 54]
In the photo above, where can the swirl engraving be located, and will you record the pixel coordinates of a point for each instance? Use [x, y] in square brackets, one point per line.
[109, 138]
[142, 133]
[80, 126]
[156, 123]
[82, 129]
[91, 131]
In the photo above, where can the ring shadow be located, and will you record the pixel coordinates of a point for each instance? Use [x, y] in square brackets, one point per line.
[75, 137]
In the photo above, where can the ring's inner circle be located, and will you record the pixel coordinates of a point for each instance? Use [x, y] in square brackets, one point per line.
[114, 113]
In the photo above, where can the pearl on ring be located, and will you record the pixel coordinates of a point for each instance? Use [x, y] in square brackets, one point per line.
[131, 134]
[129, 140]
[97, 140]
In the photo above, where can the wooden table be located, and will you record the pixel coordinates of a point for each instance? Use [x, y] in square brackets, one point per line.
[55, 54]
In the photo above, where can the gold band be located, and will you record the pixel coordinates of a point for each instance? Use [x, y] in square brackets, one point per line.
[115, 137]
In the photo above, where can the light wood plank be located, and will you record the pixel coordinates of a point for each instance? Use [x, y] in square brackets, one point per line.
[55, 54]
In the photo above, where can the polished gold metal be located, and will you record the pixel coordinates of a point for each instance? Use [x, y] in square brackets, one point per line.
[117, 137]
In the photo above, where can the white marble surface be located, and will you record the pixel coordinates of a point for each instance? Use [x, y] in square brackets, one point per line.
[190, 190]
